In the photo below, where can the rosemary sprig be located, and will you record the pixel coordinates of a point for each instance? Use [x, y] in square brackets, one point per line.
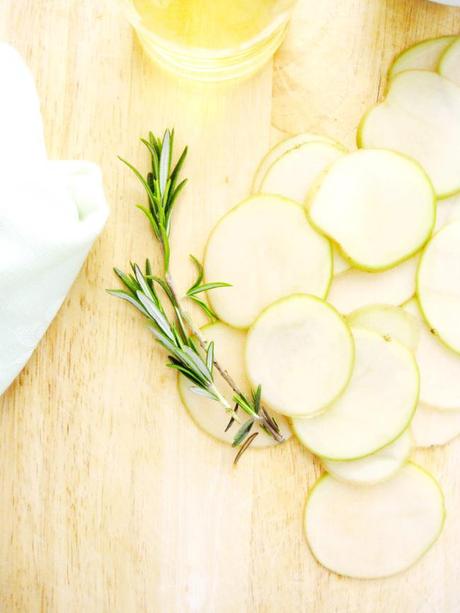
[199, 287]
[141, 291]
[188, 351]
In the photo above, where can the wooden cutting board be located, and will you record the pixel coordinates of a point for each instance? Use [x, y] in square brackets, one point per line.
[111, 500]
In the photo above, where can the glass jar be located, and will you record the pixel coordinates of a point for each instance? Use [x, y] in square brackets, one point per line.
[210, 39]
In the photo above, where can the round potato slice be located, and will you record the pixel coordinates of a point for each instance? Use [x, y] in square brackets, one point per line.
[432, 427]
[207, 414]
[375, 408]
[354, 288]
[379, 206]
[374, 531]
[439, 367]
[301, 351]
[420, 118]
[287, 144]
[293, 174]
[449, 65]
[438, 284]
[424, 55]
[390, 322]
[267, 249]
[373, 468]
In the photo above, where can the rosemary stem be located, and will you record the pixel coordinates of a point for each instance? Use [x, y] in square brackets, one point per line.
[224, 402]
[225, 375]
[197, 333]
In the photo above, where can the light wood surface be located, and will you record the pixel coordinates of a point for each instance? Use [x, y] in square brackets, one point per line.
[110, 499]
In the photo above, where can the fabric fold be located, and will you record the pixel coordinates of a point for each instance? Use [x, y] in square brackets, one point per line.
[50, 214]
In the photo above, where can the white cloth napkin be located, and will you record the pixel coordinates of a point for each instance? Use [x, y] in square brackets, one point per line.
[50, 214]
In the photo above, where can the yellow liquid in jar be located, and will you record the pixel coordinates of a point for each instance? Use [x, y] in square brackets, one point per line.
[211, 39]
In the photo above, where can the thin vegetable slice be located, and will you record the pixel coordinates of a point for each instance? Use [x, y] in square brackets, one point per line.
[376, 407]
[432, 427]
[374, 531]
[420, 118]
[206, 414]
[389, 321]
[424, 55]
[449, 65]
[294, 173]
[287, 144]
[354, 288]
[439, 368]
[301, 351]
[438, 284]
[376, 467]
[377, 205]
[267, 249]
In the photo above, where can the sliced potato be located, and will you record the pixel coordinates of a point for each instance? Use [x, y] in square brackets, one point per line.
[206, 413]
[354, 288]
[424, 55]
[282, 147]
[375, 408]
[389, 321]
[294, 173]
[266, 248]
[374, 531]
[438, 285]
[301, 351]
[420, 118]
[449, 65]
[432, 427]
[439, 368]
[379, 207]
[376, 467]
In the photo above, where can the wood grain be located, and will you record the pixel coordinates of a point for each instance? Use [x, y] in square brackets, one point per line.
[111, 499]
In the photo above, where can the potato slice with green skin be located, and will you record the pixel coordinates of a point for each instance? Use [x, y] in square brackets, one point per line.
[266, 248]
[374, 531]
[287, 144]
[379, 207]
[354, 288]
[424, 55]
[449, 64]
[421, 119]
[301, 351]
[374, 410]
[294, 173]
[389, 321]
[207, 414]
[439, 367]
[433, 427]
[438, 285]
[373, 468]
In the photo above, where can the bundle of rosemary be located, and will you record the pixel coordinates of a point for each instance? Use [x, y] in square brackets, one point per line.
[188, 351]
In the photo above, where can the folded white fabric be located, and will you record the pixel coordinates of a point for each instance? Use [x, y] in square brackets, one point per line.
[50, 214]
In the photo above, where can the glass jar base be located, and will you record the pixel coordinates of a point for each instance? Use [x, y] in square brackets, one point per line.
[211, 65]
